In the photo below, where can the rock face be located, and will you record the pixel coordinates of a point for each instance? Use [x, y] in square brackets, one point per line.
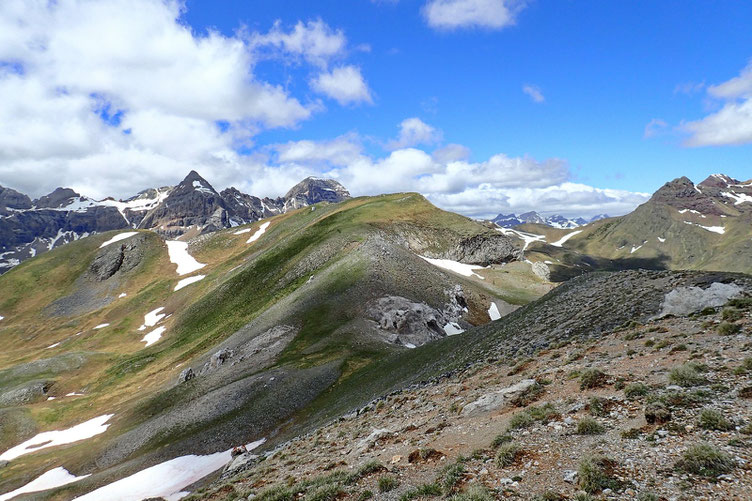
[686, 300]
[405, 322]
[313, 190]
[117, 257]
[28, 228]
[485, 250]
[25, 393]
[193, 202]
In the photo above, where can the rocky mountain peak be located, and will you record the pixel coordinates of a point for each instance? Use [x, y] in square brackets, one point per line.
[313, 190]
[12, 199]
[58, 198]
[719, 181]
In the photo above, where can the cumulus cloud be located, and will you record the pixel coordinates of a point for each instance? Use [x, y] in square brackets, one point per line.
[534, 93]
[732, 123]
[447, 178]
[313, 41]
[123, 84]
[345, 84]
[413, 132]
[454, 14]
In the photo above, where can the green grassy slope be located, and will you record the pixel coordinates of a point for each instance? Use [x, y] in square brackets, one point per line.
[355, 251]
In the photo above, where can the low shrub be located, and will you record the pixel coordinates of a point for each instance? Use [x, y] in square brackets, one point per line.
[706, 460]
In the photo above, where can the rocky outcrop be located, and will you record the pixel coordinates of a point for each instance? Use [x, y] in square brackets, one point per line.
[686, 300]
[26, 393]
[497, 399]
[485, 250]
[405, 322]
[11, 199]
[117, 257]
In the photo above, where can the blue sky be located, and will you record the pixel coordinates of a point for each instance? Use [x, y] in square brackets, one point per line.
[621, 96]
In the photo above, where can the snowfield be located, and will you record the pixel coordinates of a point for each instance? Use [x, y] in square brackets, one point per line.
[188, 281]
[152, 318]
[566, 237]
[466, 270]
[258, 233]
[178, 252]
[118, 237]
[47, 439]
[56, 477]
[154, 336]
[528, 238]
[164, 479]
[493, 312]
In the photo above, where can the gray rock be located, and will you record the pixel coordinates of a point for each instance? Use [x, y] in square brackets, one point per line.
[542, 270]
[409, 322]
[26, 393]
[570, 476]
[371, 439]
[497, 399]
[685, 300]
[186, 375]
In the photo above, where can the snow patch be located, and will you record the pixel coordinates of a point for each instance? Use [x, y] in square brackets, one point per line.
[739, 198]
[164, 479]
[493, 312]
[47, 439]
[178, 252]
[566, 237]
[188, 281]
[53, 345]
[463, 269]
[118, 237]
[452, 328]
[240, 232]
[122, 294]
[154, 336]
[258, 233]
[101, 326]
[661, 240]
[715, 229]
[152, 318]
[410, 345]
[693, 212]
[56, 477]
[527, 238]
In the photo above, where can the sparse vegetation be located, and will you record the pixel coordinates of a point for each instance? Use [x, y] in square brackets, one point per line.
[594, 474]
[731, 314]
[592, 378]
[388, 483]
[589, 426]
[475, 492]
[705, 460]
[520, 420]
[687, 375]
[713, 419]
[507, 454]
[636, 390]
[728, 328]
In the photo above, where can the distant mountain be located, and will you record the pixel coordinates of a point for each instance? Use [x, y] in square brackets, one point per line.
[28, 228]
[683, 226]
[555, 221]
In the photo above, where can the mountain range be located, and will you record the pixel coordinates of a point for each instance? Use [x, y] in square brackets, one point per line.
[532, 217]
[186, 352]
[192, 207]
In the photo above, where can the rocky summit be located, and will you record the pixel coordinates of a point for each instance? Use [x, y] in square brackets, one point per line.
[28, 228]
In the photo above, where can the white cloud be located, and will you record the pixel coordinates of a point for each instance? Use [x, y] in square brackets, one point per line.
[654, 127]
[451, 153]
[732, 124]
[314, 41]
[345, 84]
[414, 131]
[448, 179]
[453, 14]
[534, 93]
[161, 87]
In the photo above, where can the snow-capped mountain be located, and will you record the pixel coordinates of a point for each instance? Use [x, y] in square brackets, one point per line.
[28, 228]
[555, 220]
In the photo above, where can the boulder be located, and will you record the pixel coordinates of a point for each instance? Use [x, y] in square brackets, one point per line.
[497, 399]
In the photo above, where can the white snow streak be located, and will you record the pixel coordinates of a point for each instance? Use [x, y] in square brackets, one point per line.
[452, 329]
[178, 252]
[164, 479]
[463, 269]
[59, 437]
[528, 238]
[566, 237]
[188, 281]
[101, 326]
[55, 477]
[118, 237]
[258, 233]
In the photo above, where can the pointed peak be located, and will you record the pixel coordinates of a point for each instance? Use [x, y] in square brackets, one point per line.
[194, 181]
[60, 197]
[718, 181]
